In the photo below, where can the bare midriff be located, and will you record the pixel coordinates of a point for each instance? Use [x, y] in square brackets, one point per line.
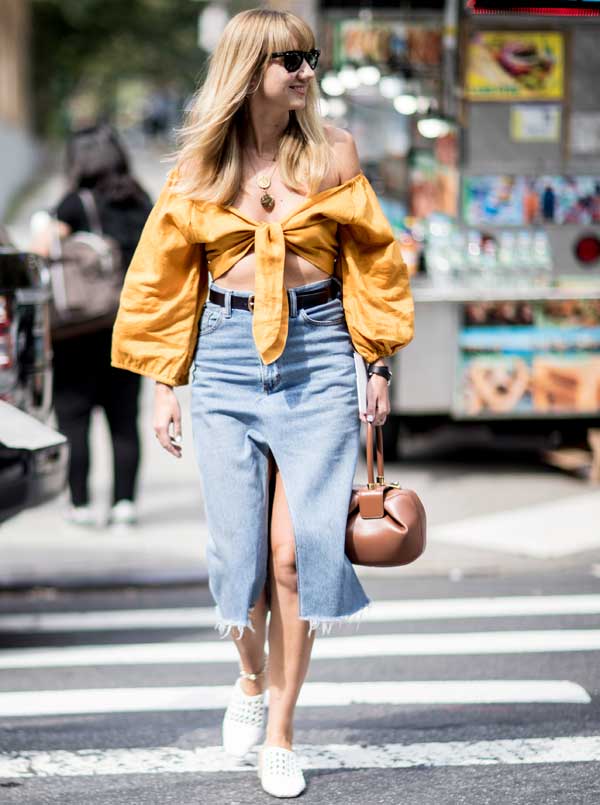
[297, 270]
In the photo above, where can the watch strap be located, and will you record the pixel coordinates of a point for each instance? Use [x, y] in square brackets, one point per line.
[383, 371]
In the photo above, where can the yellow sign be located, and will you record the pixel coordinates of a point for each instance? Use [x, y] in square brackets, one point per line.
[519, 65]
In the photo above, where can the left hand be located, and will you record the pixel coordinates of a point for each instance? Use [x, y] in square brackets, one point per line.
[378, 400]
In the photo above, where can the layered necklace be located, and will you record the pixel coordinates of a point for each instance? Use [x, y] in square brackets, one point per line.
[263, 180]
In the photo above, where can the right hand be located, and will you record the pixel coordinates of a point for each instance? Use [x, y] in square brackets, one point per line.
[167, 419]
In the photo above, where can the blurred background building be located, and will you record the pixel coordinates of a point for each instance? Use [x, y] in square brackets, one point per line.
[17, 149]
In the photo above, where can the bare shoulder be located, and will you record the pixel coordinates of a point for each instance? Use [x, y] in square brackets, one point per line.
[346, 155]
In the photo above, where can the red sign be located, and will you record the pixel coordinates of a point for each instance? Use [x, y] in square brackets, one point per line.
[559, 8]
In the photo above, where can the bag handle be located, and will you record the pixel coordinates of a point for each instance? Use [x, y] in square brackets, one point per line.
[91, 210]
[372, 482]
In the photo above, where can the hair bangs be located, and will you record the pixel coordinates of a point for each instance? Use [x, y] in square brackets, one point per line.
[288, 32]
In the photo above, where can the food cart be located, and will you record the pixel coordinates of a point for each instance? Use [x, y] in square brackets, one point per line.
[497, 212]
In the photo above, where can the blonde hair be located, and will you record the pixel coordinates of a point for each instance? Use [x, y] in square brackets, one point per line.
[209, 158]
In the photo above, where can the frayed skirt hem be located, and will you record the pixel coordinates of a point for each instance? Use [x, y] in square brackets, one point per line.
[225, 627]
[315, 624]
[325, 625]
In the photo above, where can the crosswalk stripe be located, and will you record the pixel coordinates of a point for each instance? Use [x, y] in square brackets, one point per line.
[379, 611]
[211, 759]
[380, 645]
[313, 694]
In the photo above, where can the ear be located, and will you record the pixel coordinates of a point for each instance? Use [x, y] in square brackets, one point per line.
[254, 82]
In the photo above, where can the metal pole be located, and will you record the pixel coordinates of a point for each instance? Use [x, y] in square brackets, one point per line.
[450, 37]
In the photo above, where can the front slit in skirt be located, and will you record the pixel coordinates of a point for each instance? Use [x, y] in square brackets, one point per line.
[303, 409]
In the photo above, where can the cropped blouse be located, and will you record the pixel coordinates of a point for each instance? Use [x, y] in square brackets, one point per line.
[341, 230]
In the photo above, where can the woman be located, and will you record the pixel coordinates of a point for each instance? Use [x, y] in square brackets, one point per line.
[83, 377]
[273, 206]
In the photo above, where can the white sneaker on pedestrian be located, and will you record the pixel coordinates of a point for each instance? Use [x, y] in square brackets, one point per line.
[279, 772]
[81, 515]
[123, 515]
[244, 722]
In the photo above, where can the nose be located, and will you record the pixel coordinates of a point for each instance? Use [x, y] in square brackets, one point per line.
[305, 71]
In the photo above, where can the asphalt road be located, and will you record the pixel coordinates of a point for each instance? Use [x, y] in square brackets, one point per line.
[478, 691]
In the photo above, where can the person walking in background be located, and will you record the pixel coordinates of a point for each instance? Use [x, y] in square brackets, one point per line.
[96, 161]
[304, 267]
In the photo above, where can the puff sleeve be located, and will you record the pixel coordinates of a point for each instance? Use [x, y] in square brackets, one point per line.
[165, 286]
[377, 298]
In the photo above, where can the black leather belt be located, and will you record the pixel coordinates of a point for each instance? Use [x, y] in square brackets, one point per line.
[304, 298]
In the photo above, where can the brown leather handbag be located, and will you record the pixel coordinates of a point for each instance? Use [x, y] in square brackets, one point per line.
[386, 523]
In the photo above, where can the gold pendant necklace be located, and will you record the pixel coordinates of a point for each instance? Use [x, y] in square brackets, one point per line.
[264, 182]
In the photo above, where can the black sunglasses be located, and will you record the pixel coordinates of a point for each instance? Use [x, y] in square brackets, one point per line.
[292, 59]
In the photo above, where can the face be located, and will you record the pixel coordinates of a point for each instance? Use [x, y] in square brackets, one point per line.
[283, 89]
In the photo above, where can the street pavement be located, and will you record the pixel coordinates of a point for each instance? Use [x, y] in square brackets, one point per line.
[465, 692]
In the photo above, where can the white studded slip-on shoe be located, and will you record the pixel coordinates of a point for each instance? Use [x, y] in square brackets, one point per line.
[244, 722]
[279, 772]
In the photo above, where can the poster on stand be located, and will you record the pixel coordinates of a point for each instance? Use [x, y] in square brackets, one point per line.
[494, 200]
[568, 199]
[535, 123]
[529, 359]
[434, 180]
[396, 44]
[584, 133]
[529, 201]
[515, 65]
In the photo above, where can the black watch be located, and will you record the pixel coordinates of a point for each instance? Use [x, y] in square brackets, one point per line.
[380, 370]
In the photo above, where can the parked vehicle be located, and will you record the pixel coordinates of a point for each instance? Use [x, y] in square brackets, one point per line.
[33, 456]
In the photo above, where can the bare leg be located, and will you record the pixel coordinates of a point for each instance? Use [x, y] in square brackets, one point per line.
[289, 644]
[251, 646]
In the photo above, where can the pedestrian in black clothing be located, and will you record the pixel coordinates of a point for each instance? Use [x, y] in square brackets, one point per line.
[83, 377]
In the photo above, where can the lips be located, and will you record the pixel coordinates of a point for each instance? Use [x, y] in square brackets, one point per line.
[300, 88]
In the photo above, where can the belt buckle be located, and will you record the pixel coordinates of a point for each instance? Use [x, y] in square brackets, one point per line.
[251, 303]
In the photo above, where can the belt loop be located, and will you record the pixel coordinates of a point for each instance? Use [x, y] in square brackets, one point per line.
[228, 295]
[293, 303]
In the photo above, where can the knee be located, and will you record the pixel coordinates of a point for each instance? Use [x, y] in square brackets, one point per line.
[284, 567]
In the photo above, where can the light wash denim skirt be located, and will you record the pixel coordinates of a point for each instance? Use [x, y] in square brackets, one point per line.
[303, 409]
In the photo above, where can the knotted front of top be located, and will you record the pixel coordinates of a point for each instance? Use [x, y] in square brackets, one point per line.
[270, 322]
[314, 240]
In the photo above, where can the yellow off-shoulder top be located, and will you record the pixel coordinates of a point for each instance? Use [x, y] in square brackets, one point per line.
[341, 230]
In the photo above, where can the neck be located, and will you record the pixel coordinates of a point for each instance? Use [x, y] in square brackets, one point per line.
[266, 128]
